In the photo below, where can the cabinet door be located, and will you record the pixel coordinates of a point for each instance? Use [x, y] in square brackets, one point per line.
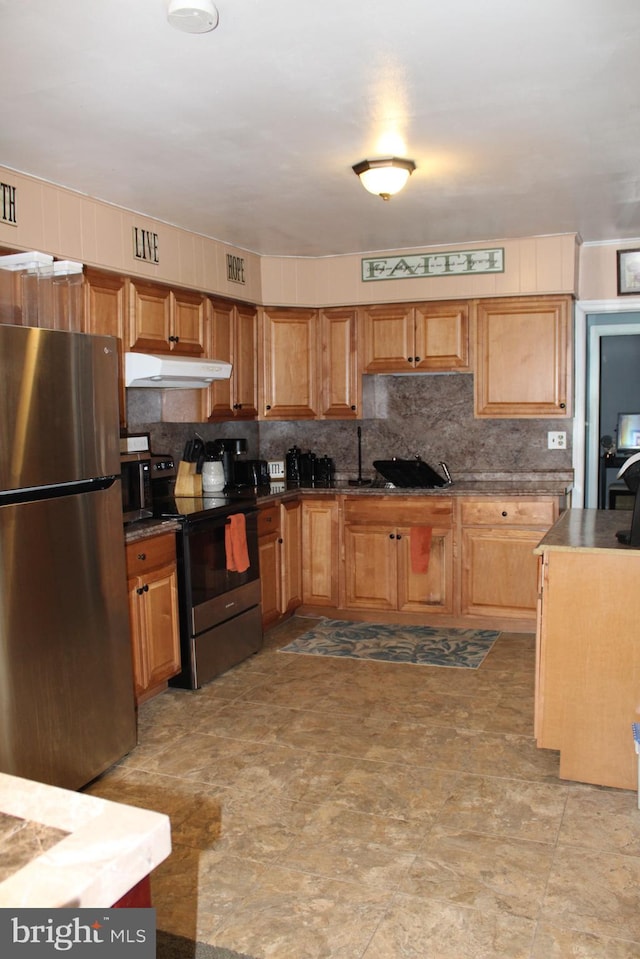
[187, 335]
[161, 613]
[137, 619]
[320, 581]
[149, 317]
[220, 347]
[290, 359]
[388, 339]
[442, 336]
[431, 591]
[371, 564]
[499, 572]
[291, 556]
[153, 607]
[105, 315]
[523, 357]
[340, 388]
[244, 375]
[270, 577]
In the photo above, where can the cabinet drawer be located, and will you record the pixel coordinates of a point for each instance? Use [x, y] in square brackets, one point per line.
[268, 520]
[510, 511]
[150, 553]
[399, 510]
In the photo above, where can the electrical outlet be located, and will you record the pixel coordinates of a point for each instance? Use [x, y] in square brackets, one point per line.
[556, 441]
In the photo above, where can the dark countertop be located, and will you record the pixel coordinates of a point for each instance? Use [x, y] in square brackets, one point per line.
[586, 530]
[146, 528]
[471, 484]
[522, 483]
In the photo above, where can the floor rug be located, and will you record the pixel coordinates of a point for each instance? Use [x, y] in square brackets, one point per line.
[170, 946]
[422, 645]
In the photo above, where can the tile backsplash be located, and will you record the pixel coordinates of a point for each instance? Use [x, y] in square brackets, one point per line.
[430, 415]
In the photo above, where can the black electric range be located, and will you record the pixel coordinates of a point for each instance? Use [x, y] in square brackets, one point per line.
[190, 508]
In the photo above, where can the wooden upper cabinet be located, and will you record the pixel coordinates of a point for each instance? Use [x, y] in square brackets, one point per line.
[105, 314]
[289, 363]
[233, 338]
[442, 336]
[188, 323]
[162, 320]
[387, 338]
[403, 338]
[340, 380]
[244, 375]
[105, 303]
[523, 357]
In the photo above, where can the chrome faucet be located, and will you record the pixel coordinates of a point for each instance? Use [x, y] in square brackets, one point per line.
[445, 470]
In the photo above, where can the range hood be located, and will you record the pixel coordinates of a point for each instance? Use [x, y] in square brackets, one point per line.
[172, 372]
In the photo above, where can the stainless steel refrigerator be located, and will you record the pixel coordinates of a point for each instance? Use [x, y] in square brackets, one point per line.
[66, 690]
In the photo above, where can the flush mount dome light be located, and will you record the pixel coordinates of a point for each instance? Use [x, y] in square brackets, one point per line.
[384, 177]
[192, 16]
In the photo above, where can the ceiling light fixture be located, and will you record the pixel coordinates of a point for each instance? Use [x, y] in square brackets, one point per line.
[192, 16]
[384, 177]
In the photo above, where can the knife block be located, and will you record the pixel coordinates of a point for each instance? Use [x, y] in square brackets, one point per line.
[188, 482]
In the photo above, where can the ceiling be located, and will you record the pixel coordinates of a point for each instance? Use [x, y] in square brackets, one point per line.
[523, 118]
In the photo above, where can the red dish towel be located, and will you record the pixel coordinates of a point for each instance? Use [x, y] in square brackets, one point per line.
[235, 543]
[420, 547]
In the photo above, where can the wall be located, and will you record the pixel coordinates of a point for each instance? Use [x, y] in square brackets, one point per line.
[544, 264]
[429, 414]
[72, 226]
[598, 278]
[426, 414]
[69, 226]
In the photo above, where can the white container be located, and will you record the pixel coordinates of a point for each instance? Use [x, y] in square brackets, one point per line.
[212, 476]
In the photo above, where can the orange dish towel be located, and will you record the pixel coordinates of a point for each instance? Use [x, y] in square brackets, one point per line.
[235, 543]
[420, 544]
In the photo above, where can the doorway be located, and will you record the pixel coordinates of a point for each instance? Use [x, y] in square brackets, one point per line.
[595, 393]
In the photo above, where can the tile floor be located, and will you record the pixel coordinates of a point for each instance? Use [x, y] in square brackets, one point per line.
[361, 810]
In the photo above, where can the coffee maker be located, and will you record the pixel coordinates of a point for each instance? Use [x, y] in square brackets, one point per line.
[230, 449]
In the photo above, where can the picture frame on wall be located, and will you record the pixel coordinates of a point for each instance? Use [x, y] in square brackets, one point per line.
[628, 272]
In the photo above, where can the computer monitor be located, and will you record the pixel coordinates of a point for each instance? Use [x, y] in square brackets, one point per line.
[628, 440]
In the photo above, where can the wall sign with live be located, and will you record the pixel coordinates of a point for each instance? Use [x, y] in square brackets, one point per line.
[8, 204]
[145, 245]
[235, 268]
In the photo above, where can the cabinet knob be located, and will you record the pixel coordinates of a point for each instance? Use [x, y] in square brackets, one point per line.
[563, 406]
[280, 540]
[354, 408]
[504, 512]
[142, 555]
[417, 359]
[142, 589]
[174, 339]
[410, 359]
[392, 536]
[267, 407]
[399, 536]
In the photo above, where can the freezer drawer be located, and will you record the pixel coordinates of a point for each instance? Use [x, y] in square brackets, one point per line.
[66, 684]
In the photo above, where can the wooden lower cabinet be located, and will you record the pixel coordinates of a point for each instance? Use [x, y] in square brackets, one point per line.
[588, 661]
[498, 575]
[153, 608]
[270, 564]
[279, 546]
[378, 570]
[291, 547]
[320, 551]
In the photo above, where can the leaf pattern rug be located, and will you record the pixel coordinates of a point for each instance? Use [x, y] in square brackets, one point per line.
[421, 645]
